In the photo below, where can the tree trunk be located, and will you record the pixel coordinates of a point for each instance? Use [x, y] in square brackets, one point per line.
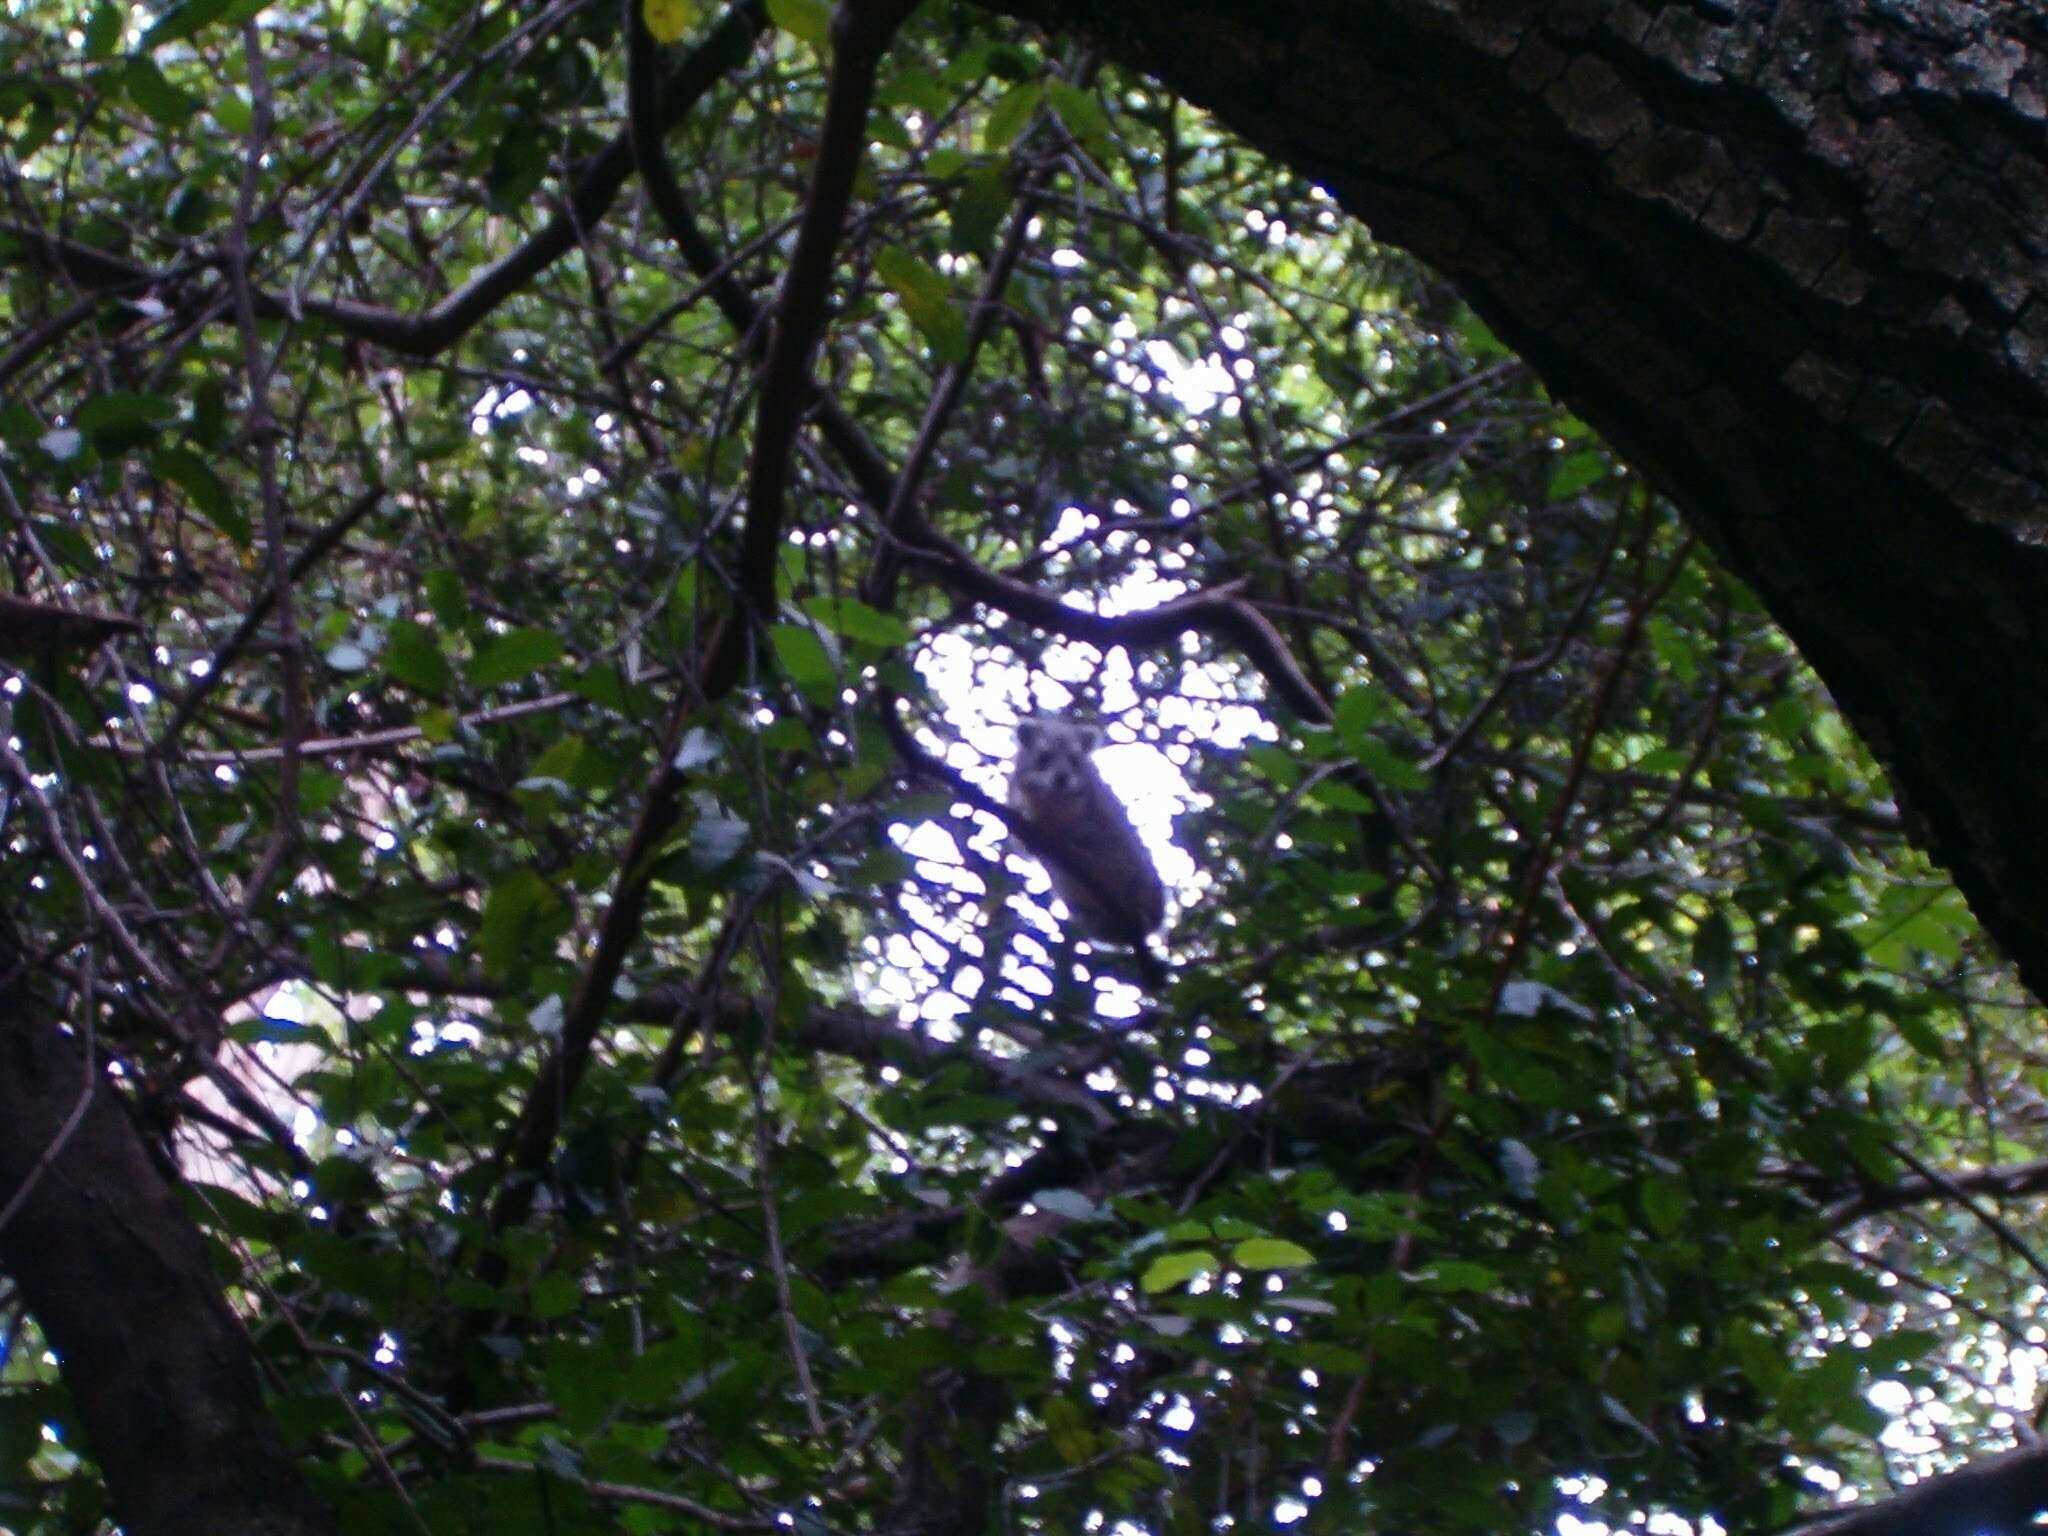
[1791, 256]
[117, 1277]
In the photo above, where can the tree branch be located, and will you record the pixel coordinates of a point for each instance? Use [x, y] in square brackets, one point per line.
[2002, 1494]
[2005, 1182]
[30, 630]
[1218, 611]
[120, 1282]
[861, 30]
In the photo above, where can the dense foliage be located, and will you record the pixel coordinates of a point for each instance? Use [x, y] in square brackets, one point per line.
[538, 875]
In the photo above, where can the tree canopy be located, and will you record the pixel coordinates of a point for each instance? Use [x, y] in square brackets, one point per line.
[530, 531]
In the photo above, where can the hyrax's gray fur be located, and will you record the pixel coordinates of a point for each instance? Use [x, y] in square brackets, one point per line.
[1084, 827]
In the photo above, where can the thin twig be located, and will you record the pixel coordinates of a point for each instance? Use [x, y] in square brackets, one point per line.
[259, 365]
[317, 549]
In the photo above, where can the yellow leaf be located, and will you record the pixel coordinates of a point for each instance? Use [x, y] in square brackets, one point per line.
[668, 20]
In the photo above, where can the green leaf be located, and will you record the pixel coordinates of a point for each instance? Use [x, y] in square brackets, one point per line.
[161, 101]
[1713, 953]
[445, 595]
[925, 92]
[1358, 711]
[1263, 1253]
[808, 21]
[857, 621]
[319, 790]
[231, 111]
[1172, 1269]
[1903, 1350]
[560, 759]
[1675, 648]
[372, 43]
[1067, 1427]
[1574, 474]
[1665, 1202]
[207, 426]
[1336, 795]
[103, 29]
[190, 209]
[413, 656]
[804, 659]
[1842, 1047]
[1011, 115]
[195, 477]
[978, 206]
[512, 656]
[521, 918]
[1913, 918]
[181, 21]
[1276, 764]
[1461, 1275]
[556, 1295]
[519, 162]
[927, 298]
[39, 129]
[1479, 338]
[1920, 1034]
[1387, 767]
[1083, 115]
[114, 423]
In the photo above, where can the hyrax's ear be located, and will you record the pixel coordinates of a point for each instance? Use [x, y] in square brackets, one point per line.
[1028, 733]
[1088, 735]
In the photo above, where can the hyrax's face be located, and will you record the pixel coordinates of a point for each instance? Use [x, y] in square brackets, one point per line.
[1052, 759]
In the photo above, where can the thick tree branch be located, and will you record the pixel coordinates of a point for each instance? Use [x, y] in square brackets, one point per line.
[1999, 1495]
[120, 1282]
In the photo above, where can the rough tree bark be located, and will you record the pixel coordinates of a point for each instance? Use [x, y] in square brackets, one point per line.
[1791, 256]
[119, 1279]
